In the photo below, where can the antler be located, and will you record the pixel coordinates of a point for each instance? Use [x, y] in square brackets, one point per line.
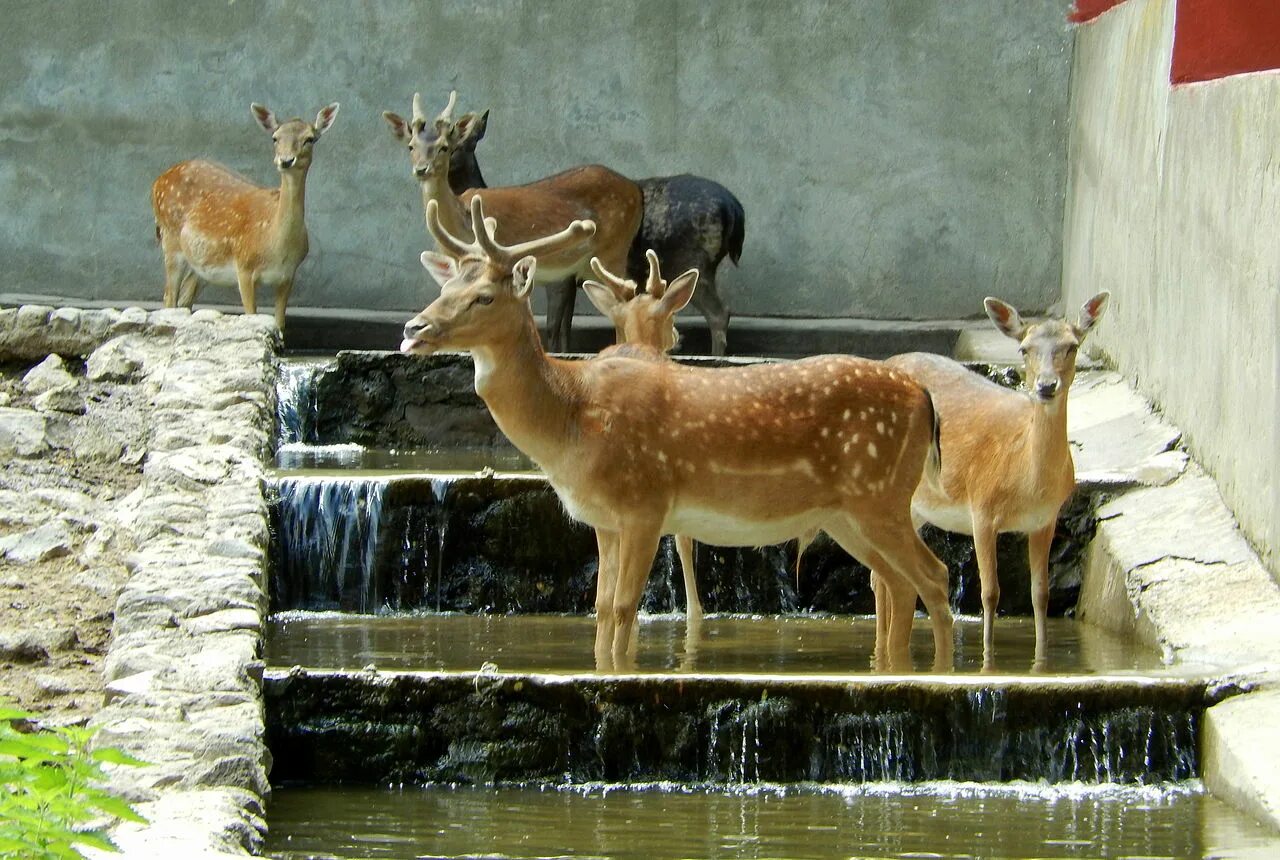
[419, 117]
[654, 286]
[624, 288]
[485, 244]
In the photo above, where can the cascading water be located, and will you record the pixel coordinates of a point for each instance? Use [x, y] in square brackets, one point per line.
[296, 402]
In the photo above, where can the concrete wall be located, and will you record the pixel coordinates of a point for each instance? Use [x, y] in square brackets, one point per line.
[1173, 204]
[896, 159]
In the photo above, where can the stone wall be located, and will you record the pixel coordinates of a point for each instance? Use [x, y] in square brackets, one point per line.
[895, 160]
[1174, 194]
[183, 677]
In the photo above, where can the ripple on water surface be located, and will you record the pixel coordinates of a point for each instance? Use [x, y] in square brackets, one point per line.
[889, 820]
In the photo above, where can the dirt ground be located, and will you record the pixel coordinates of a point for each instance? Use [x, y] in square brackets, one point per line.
[57, 602]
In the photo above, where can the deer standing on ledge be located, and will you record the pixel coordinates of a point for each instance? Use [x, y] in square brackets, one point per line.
[647, 319]
[1006, 464]
[638, 448]
[528, 212]
[214, 225]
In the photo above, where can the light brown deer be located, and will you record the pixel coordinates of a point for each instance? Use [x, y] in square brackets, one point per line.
[647, 318]
[638, 448]
[1006, 464]
[526, 212]
[216, 226]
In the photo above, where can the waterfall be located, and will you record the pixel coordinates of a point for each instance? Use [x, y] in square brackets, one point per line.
[296, 402]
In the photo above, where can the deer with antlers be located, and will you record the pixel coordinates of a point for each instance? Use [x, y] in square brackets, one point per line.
[646, 318]
[1006, 463]
[531, 211]
[216, 226]
[638, 448]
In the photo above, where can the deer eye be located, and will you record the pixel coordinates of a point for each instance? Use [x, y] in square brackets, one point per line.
[309, 141]
[482, 300]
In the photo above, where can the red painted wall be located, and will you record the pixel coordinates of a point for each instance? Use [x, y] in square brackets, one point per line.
[1211, 38]
[1216, 38]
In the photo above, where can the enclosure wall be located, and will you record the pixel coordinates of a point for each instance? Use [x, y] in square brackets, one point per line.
[1173, 205]
[895, 160]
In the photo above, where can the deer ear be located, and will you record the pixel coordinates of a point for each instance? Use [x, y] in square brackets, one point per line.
[325, 118]
[399, 128]
[265, 117]
[678, 293]
[470, 128]
[1091, 312]
[602, 297]
[522, 276]
[1006, 318]
[443, 269]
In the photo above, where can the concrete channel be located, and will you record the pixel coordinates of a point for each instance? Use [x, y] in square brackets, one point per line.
[186, 672]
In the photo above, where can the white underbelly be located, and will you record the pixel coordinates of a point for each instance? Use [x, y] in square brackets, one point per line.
[219, 276]
[948, 517]
[721, 529]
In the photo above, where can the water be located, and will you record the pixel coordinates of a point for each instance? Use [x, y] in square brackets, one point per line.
[732, 644]
[939, 820]
[356, 461]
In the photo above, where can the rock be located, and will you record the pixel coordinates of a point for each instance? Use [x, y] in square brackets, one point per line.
[49, 375]
[118, 360]
[22, 432]
[22, 647]
[65, 399]
[53, 685]
[51, 540]
[95, 444]
[5, 398]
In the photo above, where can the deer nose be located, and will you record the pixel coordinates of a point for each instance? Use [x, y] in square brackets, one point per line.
[286, 163]
[420, 171]
[1046, 388]
[414, 329]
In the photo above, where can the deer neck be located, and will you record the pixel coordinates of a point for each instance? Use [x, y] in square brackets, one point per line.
[453, 216]
[1047, 433]
[530, 396]
[291, 226]
[464, 173]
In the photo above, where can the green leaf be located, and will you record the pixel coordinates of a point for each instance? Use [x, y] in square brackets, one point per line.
[111, 755]
[8, 714]
[117, 807]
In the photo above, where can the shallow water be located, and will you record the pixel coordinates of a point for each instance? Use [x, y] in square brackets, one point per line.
[730, 644]
[889, 820]
[352, 461]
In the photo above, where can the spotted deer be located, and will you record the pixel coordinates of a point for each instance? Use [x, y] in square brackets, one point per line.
[638, 448]
[527, 212]
[1006, 464]
[647, 318]
[217, 226]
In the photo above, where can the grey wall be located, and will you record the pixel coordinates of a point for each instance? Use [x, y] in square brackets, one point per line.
[896, 159]
[1173, 206]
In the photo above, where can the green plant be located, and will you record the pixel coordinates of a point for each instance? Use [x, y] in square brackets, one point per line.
[50, 797]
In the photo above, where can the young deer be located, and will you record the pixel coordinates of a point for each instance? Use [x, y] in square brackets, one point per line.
[1006, 464]
[214, 225]
[527, 212]
[638, 448]
[647, 318]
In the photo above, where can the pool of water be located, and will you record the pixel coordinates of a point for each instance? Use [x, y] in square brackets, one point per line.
[351, 461]
[939, 820]
[721, 644]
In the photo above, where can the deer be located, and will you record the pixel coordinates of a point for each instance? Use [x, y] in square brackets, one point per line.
[219, 227]
[1006, 462]
[689, 221]
[637, 447]
[527, 212]
[647, 318]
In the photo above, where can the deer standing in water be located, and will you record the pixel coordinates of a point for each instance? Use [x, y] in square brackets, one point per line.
[1006, 464]
[638, 447]
[216, 226]
[646, 318]
[528, 212]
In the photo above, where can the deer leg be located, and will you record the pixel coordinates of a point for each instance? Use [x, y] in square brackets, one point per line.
[606, 580]
[175, 271]
[282, 299]
[1038, 544]
[560, 296]
[188, 290]
[896, 601]
[637, 545]
[984, 547]
[248, 285]
[693, 606]
[707, 300]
